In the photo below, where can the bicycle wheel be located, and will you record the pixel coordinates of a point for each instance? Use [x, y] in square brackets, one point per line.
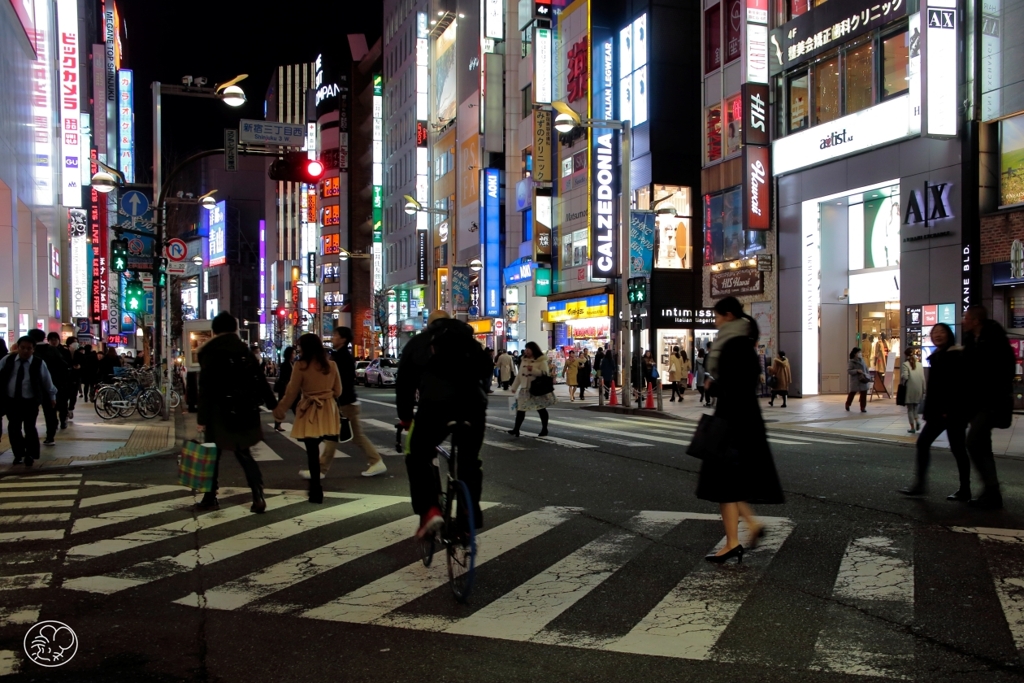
[130, 398]
[460, 540]
[427, 549]
[103, 403]
[150, 403]
[175, 400]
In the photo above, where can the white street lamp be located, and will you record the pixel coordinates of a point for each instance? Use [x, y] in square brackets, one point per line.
[476, 265]
[104, 182]
[198, 260]
[233, 96]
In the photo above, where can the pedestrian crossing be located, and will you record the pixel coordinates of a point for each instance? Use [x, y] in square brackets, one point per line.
[628, 582]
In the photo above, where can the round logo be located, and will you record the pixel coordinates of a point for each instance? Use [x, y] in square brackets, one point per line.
[51, 643]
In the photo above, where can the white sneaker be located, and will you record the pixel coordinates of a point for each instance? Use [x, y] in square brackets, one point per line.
[374, 470]
[305, 475]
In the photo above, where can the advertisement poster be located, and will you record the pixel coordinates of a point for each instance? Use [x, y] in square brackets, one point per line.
[1011, 167]
[732, 226]
[673, 249]
[445, 69]
[641, 243]
[882, 233]
[460, 289]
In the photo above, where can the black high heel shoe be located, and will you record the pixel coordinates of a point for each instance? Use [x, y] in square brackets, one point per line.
[736, 552]
[543, 432]
[316, 496]
[513, 432]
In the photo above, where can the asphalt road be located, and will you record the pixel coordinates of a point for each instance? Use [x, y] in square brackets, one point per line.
[590, 568]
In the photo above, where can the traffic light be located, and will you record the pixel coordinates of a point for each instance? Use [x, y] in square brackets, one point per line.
[297, 167]
[119, 256]
[134, 296]
[160, 276]
[637, 290]
[281, 312]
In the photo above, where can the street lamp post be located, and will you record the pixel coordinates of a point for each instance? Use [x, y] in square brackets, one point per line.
[565, 121]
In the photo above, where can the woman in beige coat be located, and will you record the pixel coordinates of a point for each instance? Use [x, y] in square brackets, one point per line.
[569, 372]
[316, 378]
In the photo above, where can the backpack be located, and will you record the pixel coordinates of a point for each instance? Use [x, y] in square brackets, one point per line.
[242, 395]
[457, 366]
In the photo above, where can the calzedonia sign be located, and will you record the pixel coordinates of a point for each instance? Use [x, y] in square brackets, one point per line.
[603, 226]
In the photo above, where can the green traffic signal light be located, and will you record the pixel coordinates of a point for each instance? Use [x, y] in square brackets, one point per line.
[119, 256]
[134, 296]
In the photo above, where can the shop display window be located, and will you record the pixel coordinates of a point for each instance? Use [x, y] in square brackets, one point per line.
[712, 38]
[713, 139]
[799, 101]
[724, 236]
[1011, 161]
[734, 125]
[672, 249]
[895, 64]
[859, 77]
[579, 248]
[826, 90]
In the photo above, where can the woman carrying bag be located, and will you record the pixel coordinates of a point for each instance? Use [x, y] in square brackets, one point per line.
[534, 388]
[911, 388]
[315, 378]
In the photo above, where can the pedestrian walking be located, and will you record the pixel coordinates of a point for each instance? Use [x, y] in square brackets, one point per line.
[743, 471]
[533, 367]
[59, 373]
[506, 370]
[912, 379]
[608, 368]
[66, 387]
[349, 407]
[570, 371]
[584, 372]
[85, 359]
[517, 359]
[316, 380]
[76, 375]
[3, 348]
[781, 378]
[945, 410]
[25, 384]
[678, 373]
[699, 377]
[857, 370]
[231, 390]
[283, 377]
[990, 364]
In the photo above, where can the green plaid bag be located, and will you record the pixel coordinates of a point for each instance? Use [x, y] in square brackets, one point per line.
[197, 465]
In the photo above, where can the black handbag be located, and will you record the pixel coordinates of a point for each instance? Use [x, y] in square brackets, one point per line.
[709, 438]
[346, 430]
[542, 385]
[901, 395]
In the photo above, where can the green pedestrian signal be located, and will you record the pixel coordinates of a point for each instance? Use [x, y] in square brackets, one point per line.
[637, 287]
[119, 256]
[134, 296]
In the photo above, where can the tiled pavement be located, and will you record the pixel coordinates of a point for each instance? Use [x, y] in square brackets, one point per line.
[90, 440]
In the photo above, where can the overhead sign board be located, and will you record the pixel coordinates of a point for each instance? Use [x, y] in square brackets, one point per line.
[271, 133]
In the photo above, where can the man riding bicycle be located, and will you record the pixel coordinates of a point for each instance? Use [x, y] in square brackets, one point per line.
[450, 370]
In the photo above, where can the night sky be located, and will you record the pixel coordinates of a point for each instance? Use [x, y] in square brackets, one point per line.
[220, 39]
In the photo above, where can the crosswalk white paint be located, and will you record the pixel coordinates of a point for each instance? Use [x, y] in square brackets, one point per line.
[24, 486]
[130, 494]
[25, 581]
[35, 504]
[45, 535]
[262, 452]
[21, 477]
[287, 433]
[125, 514]
[35, 519]
[19, 615]
[31, 493]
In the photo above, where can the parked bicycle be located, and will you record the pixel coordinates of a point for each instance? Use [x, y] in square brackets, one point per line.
[131, 390]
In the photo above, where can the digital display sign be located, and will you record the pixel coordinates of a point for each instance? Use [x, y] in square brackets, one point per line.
[217, 235]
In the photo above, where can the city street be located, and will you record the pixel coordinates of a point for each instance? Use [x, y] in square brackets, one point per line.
[590, 567]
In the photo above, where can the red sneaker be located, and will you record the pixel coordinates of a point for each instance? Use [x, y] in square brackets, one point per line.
[430, 523]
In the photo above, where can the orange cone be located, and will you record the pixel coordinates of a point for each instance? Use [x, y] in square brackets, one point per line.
[649, 404]
[613, 399]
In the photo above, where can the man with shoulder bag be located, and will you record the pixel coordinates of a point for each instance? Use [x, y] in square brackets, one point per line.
[25, 384]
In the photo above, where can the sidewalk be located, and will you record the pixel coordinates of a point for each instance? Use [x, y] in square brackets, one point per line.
[883, 421]
[91, 440]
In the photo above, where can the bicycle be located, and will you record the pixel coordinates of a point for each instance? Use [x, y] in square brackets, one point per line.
[458, 532]
[129, 392]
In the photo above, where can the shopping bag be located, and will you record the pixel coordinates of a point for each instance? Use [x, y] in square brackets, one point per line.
[709, 438]
[513, 404]
[901, 395]
[346, 431]
[197, 466]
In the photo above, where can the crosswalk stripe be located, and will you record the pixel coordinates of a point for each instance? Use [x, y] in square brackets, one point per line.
[390, 426]
[20, 615]
[43, 476]
[25, 581]
[782, 436]
[504, 446]
[287, 426]
[206, 520]
[130, 494]
[45, 535]
[372, 602]
[262, 452]
[35, 519]
[10, 662]
[161, 568]
[28, 504]
[689, 620]
[523, 613]
[22, 485]
[124, 514]
[61, 493]
[557, 440]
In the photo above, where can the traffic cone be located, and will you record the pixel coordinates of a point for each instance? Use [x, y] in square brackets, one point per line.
[613, 398]
[649, 404]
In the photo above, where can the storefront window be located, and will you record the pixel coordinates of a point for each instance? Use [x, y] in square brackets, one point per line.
[714, 132]
[724, 236]
[672, 249]
[579, 248]
[895, 64]
[1011, 161]
[734, 125]
[859, 66]
[798, 7]
[712, 38]
[798, 102]
[733, 25]
[826, 90]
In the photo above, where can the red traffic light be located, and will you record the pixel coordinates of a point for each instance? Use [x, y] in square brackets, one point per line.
[281, 312]
[297, 167]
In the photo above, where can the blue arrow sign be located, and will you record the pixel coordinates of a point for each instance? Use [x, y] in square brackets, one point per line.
[134, 203]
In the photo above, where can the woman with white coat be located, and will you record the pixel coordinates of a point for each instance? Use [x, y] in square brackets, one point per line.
[532, 366]
[912, 377]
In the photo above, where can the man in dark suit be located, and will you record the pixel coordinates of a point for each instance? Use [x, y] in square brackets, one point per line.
[25, 384]
[59, 375]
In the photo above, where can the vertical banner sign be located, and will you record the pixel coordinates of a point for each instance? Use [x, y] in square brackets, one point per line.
[42, 106]
[421, 257]
[755, 114]
[542, 225]
[641, 243]
[490, 220]
[460, 290]
[126, 124]
[494, 19]
[542, 162]
[70, 94]
[756, 193]
[542, 66]
[230, 149]
[110, 62]
[757, 53]
[97, 240]
[99, 103]
[940, 59]
[604, 178]
[378, 183]
[263, 272]
[78, 235]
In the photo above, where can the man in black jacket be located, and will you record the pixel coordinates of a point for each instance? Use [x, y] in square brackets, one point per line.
[59, 373]
[25, 384]
[991, 365]
[450, 370]
[65, 389]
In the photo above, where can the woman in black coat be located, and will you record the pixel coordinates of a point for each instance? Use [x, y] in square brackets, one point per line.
[944, 410]
[743, 471]
[284, 375]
